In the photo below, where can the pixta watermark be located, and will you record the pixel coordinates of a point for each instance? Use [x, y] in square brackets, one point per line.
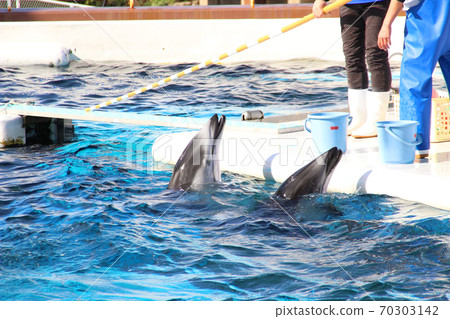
[146, 153]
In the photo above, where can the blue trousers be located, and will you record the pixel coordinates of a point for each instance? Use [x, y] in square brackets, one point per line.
[427, 41]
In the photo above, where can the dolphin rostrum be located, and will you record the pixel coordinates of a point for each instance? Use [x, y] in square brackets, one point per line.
[199, 162]
[311, 178]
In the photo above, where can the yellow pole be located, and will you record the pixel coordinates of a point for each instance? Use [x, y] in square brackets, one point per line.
[309, 17]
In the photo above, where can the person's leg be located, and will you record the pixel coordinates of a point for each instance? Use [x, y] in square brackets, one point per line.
[353, 33]
[377, 59]
[416, 87]
[353, 40]
[378, 62]
[426, 39]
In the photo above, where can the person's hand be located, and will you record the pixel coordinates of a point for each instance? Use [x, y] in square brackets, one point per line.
[384, 38]
[318, 8]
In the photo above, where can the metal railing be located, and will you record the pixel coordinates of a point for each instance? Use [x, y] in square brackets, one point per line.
[16, 4]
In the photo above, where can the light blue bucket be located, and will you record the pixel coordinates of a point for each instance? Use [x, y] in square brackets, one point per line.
[397, 141]
[329, 129]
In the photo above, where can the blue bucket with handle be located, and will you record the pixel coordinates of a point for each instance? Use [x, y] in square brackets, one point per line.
[397, 141]
[329, 129]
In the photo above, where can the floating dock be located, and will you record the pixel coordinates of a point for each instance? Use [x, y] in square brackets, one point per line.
[276, 125]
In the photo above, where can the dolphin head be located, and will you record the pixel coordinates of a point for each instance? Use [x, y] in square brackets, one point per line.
[199, 162]
[311, 178]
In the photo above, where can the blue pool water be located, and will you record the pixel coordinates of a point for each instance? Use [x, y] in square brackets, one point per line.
[80, 222]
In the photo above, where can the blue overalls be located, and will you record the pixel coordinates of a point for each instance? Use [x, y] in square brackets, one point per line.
[427, 41]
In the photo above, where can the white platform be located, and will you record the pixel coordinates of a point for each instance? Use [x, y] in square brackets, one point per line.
[276, 157]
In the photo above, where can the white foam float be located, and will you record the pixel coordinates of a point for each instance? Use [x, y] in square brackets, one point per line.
[50, 54]
[12, 132]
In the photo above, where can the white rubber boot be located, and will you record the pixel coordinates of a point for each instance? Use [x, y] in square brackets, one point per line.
[357, 108]
[377, 104]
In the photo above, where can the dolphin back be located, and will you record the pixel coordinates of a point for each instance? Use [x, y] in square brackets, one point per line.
[311, 178]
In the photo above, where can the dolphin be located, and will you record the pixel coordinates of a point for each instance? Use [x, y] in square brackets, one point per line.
[312, 178]
[199, 162]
